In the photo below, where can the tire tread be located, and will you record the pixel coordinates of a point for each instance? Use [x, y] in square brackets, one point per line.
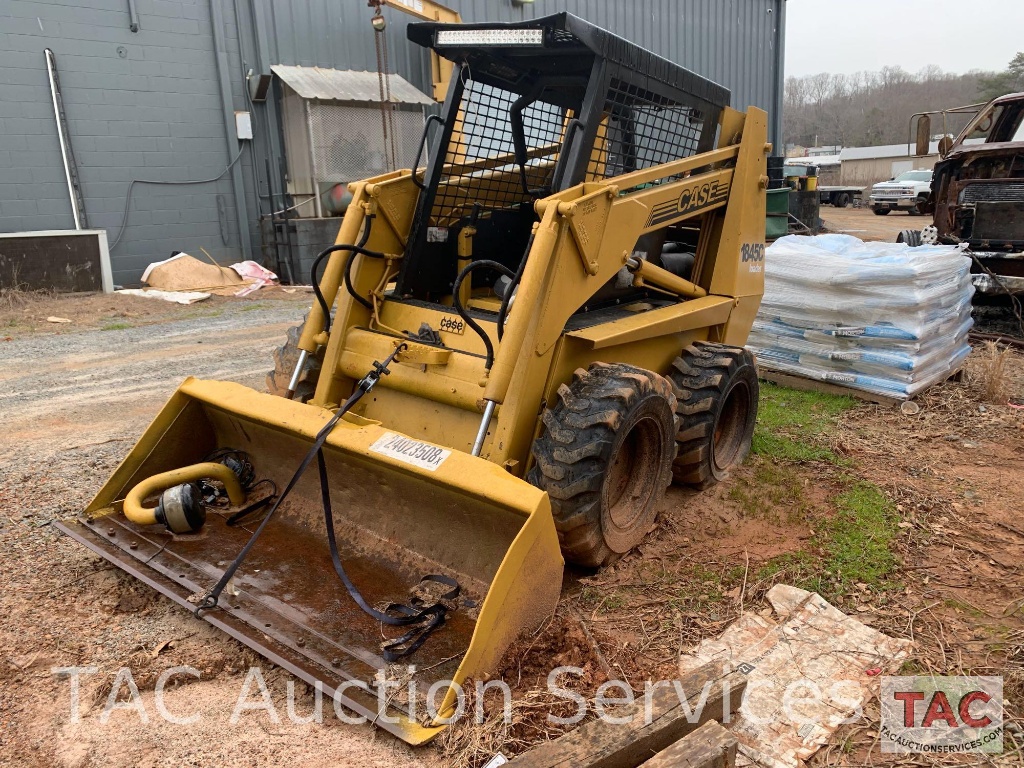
[572, 453]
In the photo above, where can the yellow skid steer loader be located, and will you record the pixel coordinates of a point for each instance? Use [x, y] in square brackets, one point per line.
[515, 348]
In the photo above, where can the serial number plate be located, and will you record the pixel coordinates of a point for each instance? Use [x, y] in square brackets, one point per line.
[451, 324]
[422, 455]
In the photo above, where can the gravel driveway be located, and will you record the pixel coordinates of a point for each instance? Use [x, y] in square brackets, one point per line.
[71, 405]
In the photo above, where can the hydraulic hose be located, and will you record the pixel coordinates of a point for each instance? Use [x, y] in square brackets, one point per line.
[347, 273]
[353, 250]
[464, 314]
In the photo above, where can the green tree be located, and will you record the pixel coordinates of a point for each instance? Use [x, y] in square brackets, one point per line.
[1011, 80]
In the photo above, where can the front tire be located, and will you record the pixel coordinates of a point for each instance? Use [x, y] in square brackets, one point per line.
[881, 211]
[717, 395]
[605, 459]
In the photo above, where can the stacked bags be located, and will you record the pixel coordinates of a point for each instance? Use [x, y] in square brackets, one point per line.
[880, 317]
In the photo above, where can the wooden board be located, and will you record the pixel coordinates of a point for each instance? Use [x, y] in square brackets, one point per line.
[710, 746]
[601, 744]
[813, 385]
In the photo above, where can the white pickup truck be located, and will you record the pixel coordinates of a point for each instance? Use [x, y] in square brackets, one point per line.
[902, 193]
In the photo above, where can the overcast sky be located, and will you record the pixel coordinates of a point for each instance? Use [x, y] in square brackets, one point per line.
[854, 35]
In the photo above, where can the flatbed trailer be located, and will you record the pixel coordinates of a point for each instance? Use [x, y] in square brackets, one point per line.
[838, 196]
[827, 170]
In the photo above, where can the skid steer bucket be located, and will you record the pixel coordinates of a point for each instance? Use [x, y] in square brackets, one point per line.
[396, 519]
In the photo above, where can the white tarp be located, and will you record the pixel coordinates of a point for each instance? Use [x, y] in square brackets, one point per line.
[175, 297]
[807, 674]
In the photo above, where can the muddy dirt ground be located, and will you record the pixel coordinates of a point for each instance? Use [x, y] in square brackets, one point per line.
[75, 396]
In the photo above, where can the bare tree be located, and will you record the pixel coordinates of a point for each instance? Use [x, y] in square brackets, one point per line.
[871, 108]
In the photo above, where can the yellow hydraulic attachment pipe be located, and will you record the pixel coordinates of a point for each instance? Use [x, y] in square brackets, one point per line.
[141, 515]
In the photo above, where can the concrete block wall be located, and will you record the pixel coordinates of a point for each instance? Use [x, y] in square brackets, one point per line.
[143, 105]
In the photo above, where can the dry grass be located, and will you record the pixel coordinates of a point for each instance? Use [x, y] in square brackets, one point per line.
[18, 294]
[486, 730]
[12, 298]
[990, 372]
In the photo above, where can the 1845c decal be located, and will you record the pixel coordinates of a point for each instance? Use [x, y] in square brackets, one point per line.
[752, 252]
[693, 198]
[753, 255]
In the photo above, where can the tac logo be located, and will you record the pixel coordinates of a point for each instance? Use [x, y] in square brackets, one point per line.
[942, 714]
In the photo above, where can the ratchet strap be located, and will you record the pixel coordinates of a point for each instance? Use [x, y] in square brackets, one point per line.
[421, 617]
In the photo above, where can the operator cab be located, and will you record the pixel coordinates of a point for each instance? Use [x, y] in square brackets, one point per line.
[534, 108]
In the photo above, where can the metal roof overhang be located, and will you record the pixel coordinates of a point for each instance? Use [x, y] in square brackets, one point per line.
[346, 85]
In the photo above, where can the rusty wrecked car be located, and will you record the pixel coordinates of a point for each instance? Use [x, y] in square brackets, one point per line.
[977, 192]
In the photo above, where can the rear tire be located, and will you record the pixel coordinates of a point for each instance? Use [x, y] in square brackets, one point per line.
[911, 237]
[605, 459]
[717, 395]
[842, 200]
[285, 359]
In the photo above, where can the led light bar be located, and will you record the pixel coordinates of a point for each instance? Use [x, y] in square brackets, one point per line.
[471, 37]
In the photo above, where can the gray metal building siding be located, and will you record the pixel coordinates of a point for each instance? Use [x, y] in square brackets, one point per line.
[734, 42]
[162, 112]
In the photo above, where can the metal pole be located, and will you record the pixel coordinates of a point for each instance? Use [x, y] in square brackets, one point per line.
[317, 207]
[133, 16]
[481, 433]
[61, 138]
[237, 183]
[294, 383]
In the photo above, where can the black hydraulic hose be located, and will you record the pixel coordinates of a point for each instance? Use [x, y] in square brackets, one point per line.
[506, 300]
[457, 304]
[421, 617]
[353, 250]
[347, 275]
[348, 282]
